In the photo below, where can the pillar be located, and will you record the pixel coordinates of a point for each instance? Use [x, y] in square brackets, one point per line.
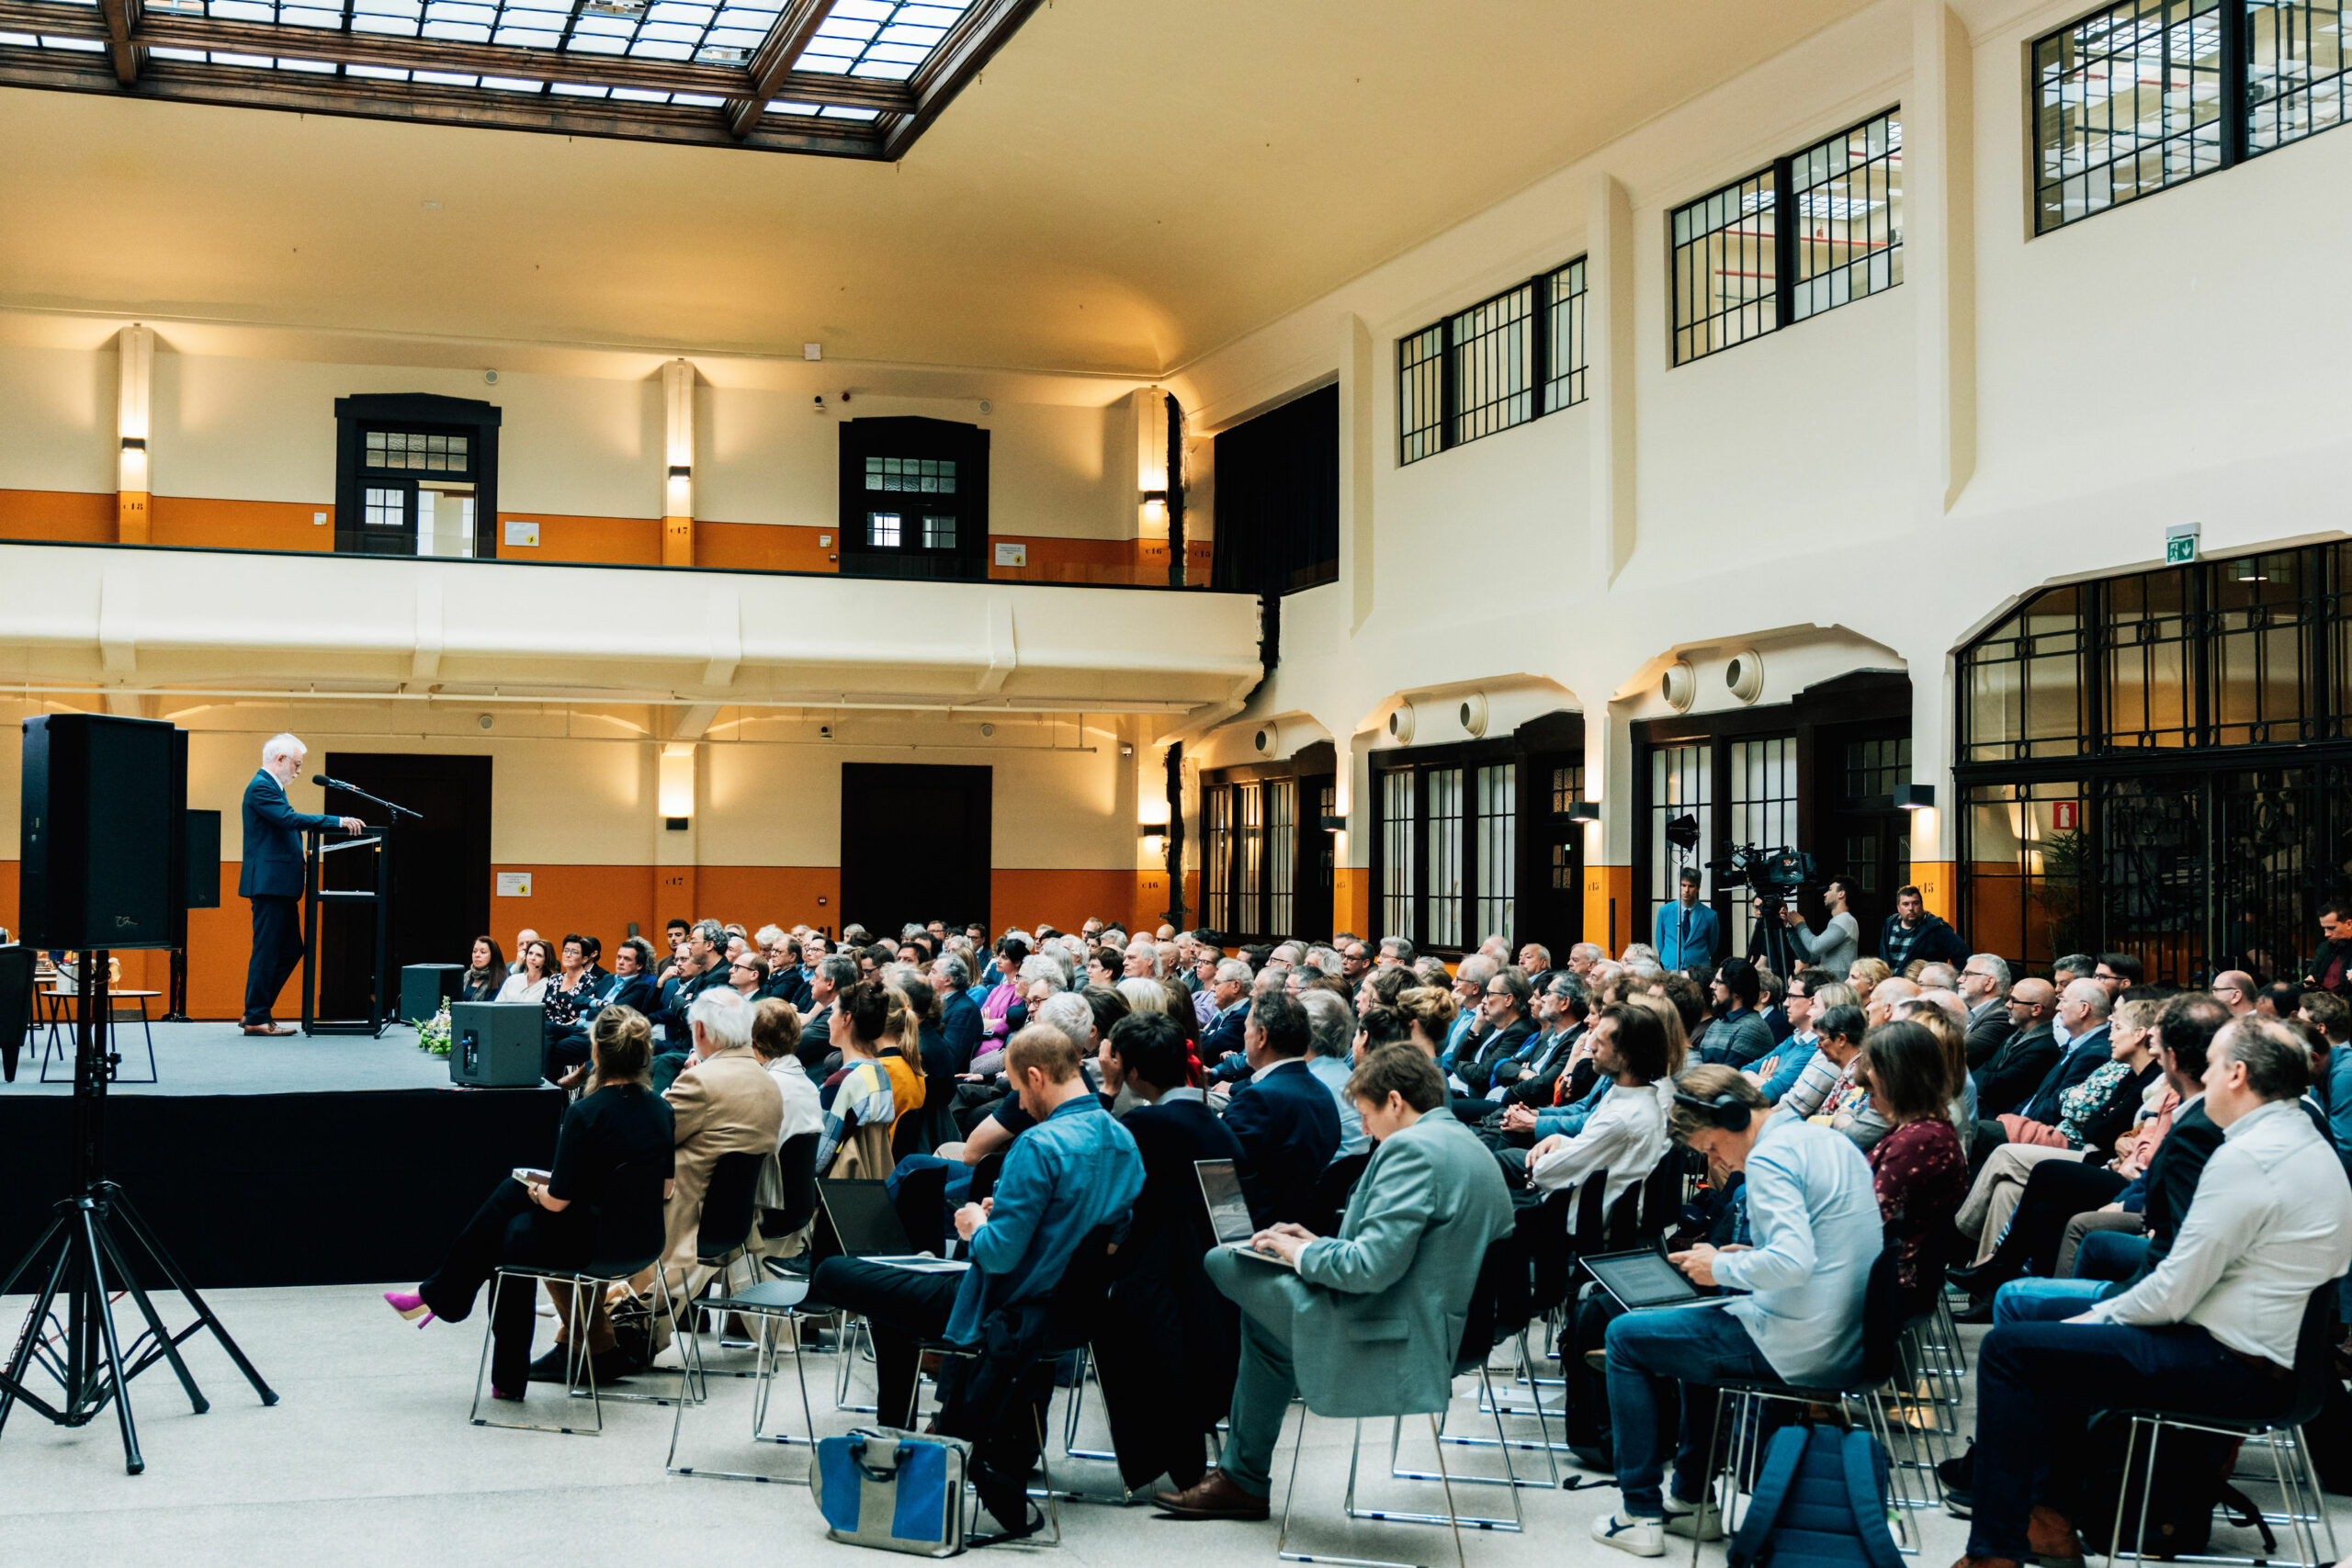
[135, 352]
[678, 483]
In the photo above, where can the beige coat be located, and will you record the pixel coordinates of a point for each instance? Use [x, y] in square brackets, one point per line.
[724, 1104]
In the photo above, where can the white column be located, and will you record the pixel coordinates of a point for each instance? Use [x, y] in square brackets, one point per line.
[1608, 375]
[678, 482]
[1359, 454]
[135, 352]
[1938, 252]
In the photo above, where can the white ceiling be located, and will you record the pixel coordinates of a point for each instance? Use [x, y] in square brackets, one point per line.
[1129, 183]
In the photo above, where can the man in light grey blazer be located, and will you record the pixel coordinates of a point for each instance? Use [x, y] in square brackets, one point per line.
[1366, 1322]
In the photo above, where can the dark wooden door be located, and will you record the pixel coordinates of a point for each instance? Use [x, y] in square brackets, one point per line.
[916, 841]
[441, 878]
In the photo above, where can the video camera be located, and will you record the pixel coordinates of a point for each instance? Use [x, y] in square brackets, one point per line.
[1781, 871]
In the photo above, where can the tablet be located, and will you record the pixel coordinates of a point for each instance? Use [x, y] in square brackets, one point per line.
[1636, 1280]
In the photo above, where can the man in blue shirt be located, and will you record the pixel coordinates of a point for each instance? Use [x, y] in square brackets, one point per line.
[1074, 1172]
[1812, 1217]
[1686, 931]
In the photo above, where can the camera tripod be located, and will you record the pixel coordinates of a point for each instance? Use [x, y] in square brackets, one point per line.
[85, 1267]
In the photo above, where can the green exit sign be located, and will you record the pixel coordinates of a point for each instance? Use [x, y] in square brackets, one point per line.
[2180, 543]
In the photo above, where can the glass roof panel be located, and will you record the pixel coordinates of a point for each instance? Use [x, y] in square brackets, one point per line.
[887, 40]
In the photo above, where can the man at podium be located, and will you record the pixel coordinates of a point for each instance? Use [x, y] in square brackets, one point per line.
[271, 877]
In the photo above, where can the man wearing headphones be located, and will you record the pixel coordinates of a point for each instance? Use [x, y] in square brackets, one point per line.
[1813, 1230]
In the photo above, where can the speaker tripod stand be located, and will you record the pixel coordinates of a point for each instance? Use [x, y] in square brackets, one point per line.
[70, 1335]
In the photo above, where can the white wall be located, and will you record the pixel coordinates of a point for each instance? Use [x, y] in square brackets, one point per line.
[2175, 360]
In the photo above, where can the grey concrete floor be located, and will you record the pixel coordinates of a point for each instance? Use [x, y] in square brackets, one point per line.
[368, 1458]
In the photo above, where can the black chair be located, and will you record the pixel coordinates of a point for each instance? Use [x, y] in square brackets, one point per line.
[1077, 1306]
[16, 966]
[629, 1232]
[1327, 1199]
[1881, 1327]
[984, 1176]
[921, 1203]
[797, 1166]
[2302, 1500]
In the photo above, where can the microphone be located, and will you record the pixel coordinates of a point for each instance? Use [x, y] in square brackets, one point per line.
[325, 782]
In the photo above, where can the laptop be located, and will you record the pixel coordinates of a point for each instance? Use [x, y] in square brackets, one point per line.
[865, 1224]
[1229, 1212]
[1641, 1280]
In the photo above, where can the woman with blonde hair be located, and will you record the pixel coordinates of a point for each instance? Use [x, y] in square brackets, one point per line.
[1866, 975]
[1429, 1012]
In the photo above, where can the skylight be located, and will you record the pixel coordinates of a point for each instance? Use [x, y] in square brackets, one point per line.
[706, 71]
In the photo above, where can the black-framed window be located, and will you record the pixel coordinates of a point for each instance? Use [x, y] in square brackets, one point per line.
[1474, 840]
[1259, 839]
[914, 499]
[1818, 229]
[416, 474]
[2203, 806]
[1506, 360]
[2142, 95]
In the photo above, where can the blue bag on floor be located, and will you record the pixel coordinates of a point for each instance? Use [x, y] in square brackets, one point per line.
[1819, 1503]
[898, 1490]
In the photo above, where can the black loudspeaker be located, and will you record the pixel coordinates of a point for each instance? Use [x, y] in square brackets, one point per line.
[495, 1044]
[424, 987]
[203, 860]
[104, 832]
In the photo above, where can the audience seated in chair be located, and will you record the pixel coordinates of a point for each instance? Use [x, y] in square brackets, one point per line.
[1288, 1125]
[1917, 1170]
[1075, 1170]
[775, 1029]
[875, 1085]
[534, 968]
[485, 975]
[1368, 1321]
[1167, 1363]
[723, 1102]
[2212, 1329]
[619, 1122]
[1624, 1138]
[1816, 1227]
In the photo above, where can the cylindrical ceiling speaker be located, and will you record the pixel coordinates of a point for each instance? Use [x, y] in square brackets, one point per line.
[1678, 685]
[1400, 724]
[1473, 714]
[1744, 675]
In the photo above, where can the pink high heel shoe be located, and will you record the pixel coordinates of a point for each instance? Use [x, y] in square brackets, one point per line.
[410, 1305]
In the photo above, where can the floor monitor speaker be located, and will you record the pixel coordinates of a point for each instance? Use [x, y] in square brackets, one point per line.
[495, 1044]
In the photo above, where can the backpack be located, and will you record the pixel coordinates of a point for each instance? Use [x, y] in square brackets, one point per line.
[2190, 1480]
[1820, 1502]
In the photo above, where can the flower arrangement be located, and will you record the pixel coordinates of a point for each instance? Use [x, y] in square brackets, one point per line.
[433, 1033]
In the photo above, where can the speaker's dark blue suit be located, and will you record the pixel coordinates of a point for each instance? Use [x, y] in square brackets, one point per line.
[1288, 1126]
[271, 877]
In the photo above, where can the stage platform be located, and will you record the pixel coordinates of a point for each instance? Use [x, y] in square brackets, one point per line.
[219, 1058]
[290, 1160]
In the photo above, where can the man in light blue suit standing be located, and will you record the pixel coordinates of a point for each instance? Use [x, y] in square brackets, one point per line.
[1686, 931]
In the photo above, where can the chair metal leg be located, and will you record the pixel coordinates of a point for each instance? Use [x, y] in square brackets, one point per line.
[1348, 1508]
[576, 1360]
[766, 1346]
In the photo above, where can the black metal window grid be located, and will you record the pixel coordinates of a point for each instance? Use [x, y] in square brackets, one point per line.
[1764, 791]
[2257, 647]
[1500, 363]
[2215, 856]
[2142, 95]
[1820, 228]
[2022, 689]
[1282, 853]
[1494, 793]
[1567, 789]
[2297, 63]
[1492, 363]
[1216, 862]
[1848, 208]
[1726, 267]
[1400, 859]
[1681, 784]
[2145, 636]
[1873, 769]
[1567, 348]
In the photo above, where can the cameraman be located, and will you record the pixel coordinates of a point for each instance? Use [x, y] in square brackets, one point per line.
[1834, 949]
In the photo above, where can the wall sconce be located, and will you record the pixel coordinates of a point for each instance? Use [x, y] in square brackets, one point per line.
[1335, 821]
[677, 786]
[681, 471]
[1584, 811]
[134, 444]
[1156, 502]
[1916, 796]
[1154, 836]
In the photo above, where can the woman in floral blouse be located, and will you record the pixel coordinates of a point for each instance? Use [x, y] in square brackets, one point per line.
[1918, 1167]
